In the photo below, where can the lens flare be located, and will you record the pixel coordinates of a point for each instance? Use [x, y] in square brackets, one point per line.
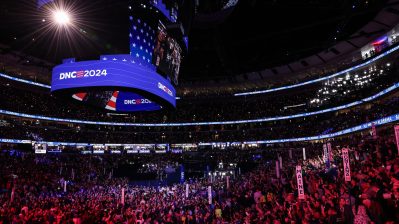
[61, 17]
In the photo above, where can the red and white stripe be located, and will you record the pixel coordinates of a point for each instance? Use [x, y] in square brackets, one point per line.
[79, 96]
[111, 105]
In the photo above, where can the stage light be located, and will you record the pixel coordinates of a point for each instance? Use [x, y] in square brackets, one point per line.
[61, 17]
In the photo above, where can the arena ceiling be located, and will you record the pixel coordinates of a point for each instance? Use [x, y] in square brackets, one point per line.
[253, 35]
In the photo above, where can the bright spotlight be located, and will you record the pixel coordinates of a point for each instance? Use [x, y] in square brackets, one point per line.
[61, 17]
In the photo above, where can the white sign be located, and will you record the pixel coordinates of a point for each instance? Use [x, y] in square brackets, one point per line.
[325, 153]
[304, 153]
[329, 151]
[299, 180]
[187, 188]
[210, 195]
[347, 167]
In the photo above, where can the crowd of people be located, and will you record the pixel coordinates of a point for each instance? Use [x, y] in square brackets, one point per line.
[39, 102]
[71, 187]
[33, 188]
[376, 77]
[299, 127]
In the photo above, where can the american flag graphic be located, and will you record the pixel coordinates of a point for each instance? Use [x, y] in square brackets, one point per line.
[80, 74]
[142, 40]
[79, 96]
[111, 105]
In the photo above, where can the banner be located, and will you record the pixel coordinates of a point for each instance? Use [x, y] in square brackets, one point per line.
[12, 194]
[210, 195]
[325, 153]
[373, 131]
[347, 168]
[304, 153]
[329, 150]
[356, 155]
[182, 174]
[280, 160]
[397, 136]
[227, 182]
[301, 191]
[123, 196]
[65, 186]
[277, 170]
[187, 189]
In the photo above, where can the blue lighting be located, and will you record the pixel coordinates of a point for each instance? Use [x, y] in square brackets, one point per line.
[382, 121]
[322, 78]
[356, 103]
[245, 93]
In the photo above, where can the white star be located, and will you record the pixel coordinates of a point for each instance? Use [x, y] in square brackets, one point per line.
[134, 44]
[104, 58]
[114, 59]
[137, 55]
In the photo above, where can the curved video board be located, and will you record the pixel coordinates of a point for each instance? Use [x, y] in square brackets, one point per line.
[114, 83]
